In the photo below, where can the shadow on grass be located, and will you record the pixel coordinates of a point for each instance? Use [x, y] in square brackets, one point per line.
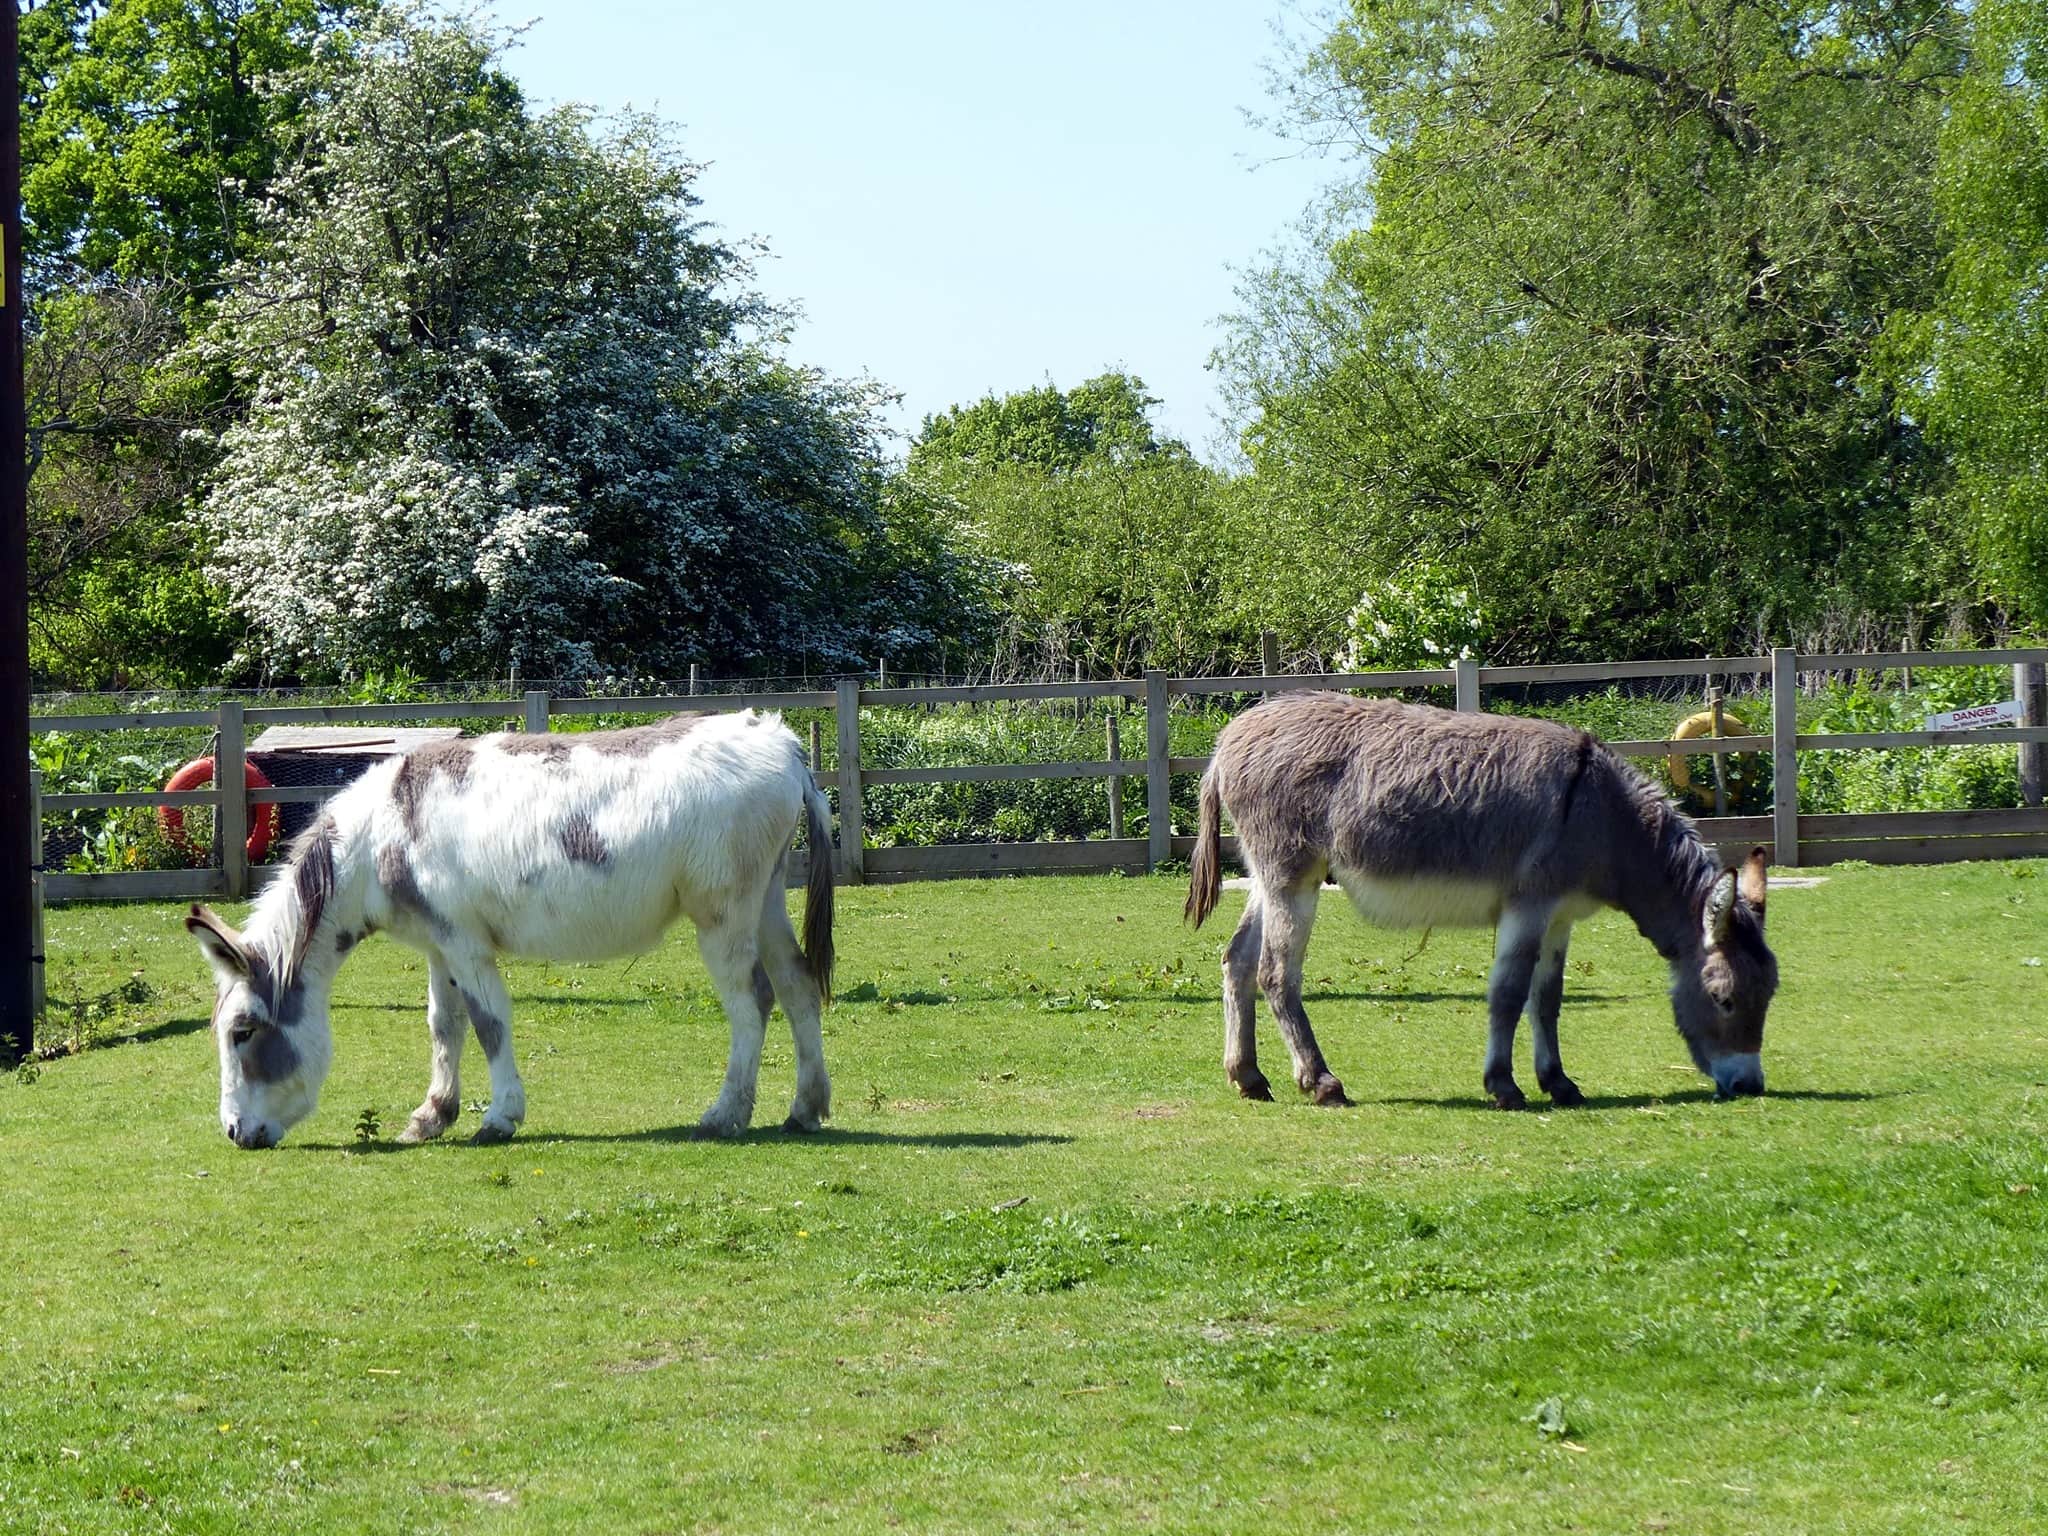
[1639, 1100]
[825, 1139]
[1311, 994]
[170, 1029]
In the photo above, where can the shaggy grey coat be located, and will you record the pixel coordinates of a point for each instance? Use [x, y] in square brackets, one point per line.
[1431, 818]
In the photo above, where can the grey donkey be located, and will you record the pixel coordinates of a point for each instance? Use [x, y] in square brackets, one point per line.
[1426, 818]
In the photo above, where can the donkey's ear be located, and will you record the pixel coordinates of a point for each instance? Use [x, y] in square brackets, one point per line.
[221, 945]
[1720, 908]
[1751, 882]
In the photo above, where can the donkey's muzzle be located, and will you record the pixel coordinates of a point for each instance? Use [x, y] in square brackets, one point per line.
[1738, 1077]
[253, 1136]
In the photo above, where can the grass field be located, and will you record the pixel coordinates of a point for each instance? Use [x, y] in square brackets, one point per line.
[1043, 1271]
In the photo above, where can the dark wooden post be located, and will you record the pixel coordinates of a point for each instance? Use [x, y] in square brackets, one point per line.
[1158, 780]
[536, 712]
[231, 796]
[37, 955]
[2030, 687]
[1269, 655]
[17, 1001]
[1785, 756]
[1714, 703]
[1116, 783]
[853, 868]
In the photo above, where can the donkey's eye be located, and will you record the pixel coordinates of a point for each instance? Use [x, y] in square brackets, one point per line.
[241, 1035]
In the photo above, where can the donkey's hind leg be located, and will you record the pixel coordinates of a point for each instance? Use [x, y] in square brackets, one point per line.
[731, 951]
[1240, 1005]
[1546, 997]
[782, 963]
[1286, 915]
[445, 1029]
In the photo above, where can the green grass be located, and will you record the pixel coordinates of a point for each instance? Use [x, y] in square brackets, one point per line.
[1822, 1311]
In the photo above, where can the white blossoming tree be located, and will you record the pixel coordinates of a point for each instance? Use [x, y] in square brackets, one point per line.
[509, 406]
[1422, 616]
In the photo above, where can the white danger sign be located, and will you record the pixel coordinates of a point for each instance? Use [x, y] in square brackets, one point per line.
[2005, 713]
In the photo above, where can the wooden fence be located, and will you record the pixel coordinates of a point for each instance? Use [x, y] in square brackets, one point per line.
[1907, 837]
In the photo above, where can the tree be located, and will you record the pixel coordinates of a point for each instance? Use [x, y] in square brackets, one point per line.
[145, 141]
[1977, 364]
[1592, 327]
[506, 412]
[1114, 537]
[147, 136]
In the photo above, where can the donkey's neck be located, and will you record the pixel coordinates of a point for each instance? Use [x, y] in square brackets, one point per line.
[1662, 873]
[309, 917]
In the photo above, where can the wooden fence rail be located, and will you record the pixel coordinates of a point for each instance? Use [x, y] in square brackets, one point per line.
[1892, 837]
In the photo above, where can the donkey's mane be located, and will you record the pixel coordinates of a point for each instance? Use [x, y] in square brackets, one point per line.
[1682, 855]
[288, 912]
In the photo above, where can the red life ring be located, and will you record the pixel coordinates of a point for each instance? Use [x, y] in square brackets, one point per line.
[262, 825]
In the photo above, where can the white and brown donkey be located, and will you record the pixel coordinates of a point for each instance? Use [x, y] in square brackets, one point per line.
[1429, 818]
[565, 847]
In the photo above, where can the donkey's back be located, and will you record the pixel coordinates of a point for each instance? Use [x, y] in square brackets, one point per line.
[1424, 816]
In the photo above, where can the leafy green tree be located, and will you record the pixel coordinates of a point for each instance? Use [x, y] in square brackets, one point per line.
[1114, 538]
[147, 138]
[1106, 418]
[506, 414]
[1977, 364]
[1592, 327]
[146, 141]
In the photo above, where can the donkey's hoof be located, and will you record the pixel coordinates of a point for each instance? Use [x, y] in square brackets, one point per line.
[491, 1133]
[1564, 1093]
[418, 1130]
[802, 1125]
[1328, 1091]
[1509, 1097]
[1254, 1086]
[715, 1130]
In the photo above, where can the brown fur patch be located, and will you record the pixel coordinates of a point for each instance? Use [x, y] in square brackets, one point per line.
[416, 770]
[581, 843]
[544, 745]
[394, 874]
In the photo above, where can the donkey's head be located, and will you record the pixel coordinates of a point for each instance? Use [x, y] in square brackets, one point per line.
[271, 1032]
[1720, 992]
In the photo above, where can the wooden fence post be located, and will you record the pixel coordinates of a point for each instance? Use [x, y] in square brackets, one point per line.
[1269, 655]
[693, 679]
[38, 980]
[1714, 703]
[1785, 756]
[231, 797]
[852, 834]
[1468, 684]
[1158, 781]
[536, 712]
[2030, 687]
[1116, 783]
[817, 746]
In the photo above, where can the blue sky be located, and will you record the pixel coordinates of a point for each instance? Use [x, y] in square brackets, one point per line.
[965, 197]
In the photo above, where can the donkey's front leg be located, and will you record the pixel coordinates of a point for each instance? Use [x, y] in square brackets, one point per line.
[1546, 997]
[731, 954]
[489, 1007]
[1516, 946]
[445, 1026]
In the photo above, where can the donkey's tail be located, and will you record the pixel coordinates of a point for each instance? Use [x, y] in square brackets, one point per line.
[818, 888]
[1204, 871]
